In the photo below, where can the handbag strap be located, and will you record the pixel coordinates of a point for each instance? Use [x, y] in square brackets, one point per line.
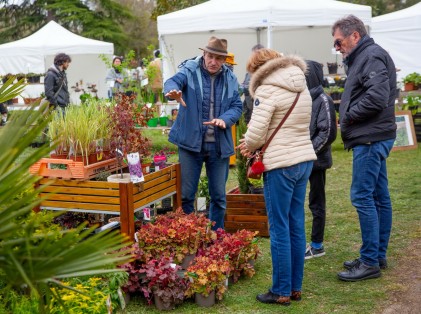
[280, 124]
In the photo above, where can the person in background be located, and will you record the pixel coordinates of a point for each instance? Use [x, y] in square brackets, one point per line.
[248, 101]
[275, 84]
[115, 77]
[323, 131]
[55, 82]
[155, 75]
[368, 127]
[230, 62]
[3, 113]
[210, 105]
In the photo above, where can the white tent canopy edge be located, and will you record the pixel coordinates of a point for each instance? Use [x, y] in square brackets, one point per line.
[399, 33]
[36, 52]
[290, 26]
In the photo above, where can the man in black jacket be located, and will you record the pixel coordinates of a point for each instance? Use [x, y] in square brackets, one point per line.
[322, 132]
[367, 121]
[55, 82]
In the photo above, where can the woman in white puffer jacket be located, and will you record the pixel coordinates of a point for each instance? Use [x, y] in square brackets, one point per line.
[276, 80]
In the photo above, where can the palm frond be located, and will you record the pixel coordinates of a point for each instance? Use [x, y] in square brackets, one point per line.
[29, 255]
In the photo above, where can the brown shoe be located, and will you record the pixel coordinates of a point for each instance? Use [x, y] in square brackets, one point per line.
[270, 297]
[296, 295]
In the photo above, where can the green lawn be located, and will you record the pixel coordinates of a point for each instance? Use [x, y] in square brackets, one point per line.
[322, 292]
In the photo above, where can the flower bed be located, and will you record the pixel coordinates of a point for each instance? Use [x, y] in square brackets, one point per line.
[218, 256]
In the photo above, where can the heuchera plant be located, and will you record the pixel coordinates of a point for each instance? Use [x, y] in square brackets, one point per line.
[125, 136]
[206, 275]
[163, 281]
[175, 234]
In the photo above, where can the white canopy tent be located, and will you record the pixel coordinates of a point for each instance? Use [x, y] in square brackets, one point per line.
[290, 26]
[36, 52]
[400, 34]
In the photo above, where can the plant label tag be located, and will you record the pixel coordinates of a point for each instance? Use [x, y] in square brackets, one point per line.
[147, 214]
[201, 204]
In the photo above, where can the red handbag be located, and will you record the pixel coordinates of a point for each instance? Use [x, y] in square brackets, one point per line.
[254, 164]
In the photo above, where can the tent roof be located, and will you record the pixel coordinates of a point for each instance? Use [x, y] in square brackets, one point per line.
[405, 19]
[240, 14]
[53, 38]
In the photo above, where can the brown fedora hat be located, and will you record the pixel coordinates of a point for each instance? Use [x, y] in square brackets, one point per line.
[216, 46]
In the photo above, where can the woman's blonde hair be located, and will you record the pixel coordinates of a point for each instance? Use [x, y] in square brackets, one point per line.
[260, 57]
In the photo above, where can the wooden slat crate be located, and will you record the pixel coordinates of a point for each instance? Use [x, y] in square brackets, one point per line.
[73, 170]
[123, 199]
[246, 211]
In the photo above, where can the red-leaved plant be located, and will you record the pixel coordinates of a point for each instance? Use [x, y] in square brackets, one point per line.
[125, 136]
[163, 281]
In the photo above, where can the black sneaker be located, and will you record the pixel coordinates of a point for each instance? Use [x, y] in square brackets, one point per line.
[349, 264]
[312, 252]
[360, 271]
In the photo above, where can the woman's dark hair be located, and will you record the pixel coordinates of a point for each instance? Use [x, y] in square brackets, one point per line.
[117, 58]
[61, 58]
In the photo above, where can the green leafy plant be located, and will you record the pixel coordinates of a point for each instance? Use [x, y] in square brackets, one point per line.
[413, 77]
[31, 261]
[203, 188]
[412, 102]
[333, 89]
[241, 161]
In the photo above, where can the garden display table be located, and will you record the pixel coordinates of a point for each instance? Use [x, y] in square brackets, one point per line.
[123, 199]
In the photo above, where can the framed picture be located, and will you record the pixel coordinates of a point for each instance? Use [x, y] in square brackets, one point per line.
[405, 133]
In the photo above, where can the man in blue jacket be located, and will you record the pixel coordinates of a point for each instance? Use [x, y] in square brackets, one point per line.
[210, 104]
[367, 120]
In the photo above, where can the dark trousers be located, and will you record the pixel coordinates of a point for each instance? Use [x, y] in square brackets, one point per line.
[317, 204]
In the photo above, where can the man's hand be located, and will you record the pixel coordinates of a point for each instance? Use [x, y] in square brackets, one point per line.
[176, 95]
[216, 122]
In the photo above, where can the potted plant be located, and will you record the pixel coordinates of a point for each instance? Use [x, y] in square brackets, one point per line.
[411, 81]
[125, 136]
[33, 78]
[245, 210]
[332, 67]
[207, 280]
[163, 282]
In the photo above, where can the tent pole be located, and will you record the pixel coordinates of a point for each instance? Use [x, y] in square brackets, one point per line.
[269, 36]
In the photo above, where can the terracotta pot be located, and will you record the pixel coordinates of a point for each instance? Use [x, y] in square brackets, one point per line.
[86, 161]
[58, 156]
[29, 101]
[204, 301]
[409, 86]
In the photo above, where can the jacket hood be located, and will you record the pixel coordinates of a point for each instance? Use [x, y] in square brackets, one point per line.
[314, 74]
[53, 68]
[286, 72]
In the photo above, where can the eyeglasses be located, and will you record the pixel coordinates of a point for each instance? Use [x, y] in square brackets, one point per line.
[338, 42]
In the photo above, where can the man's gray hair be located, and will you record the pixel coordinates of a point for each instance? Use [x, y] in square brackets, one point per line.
[348, 25]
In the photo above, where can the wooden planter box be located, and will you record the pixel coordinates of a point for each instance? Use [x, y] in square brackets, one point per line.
[246, 211]
[123, 199]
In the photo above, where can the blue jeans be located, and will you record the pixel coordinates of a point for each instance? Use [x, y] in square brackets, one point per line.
[370, 196]
[285, 192]
[217, 173]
